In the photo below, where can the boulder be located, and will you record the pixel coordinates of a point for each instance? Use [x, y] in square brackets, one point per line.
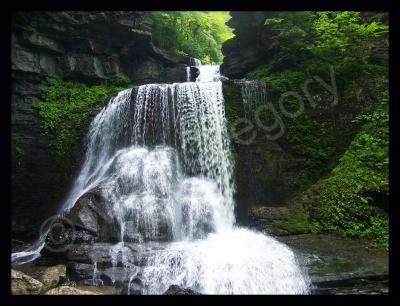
[194, 73]
[176, 73]
[52, 276]
[24, 284]
[49, 276]
[66, 290]
[80, 271]
[86, 223]
[281, 220]
[176, 290]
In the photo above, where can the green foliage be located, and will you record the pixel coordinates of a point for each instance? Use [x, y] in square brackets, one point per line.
[66, 111]
[197, 34]
[296, 222]
[121, 80]
[343, 204]
[310, 41]
[269, 21]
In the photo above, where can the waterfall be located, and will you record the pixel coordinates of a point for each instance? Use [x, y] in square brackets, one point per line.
[194, 62]
[160, 154]
[254, 94]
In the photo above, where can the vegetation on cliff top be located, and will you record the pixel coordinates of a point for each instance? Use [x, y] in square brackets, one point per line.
[193, 33]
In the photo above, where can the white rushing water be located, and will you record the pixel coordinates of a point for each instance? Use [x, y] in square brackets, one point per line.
[254, 94]
[160, 155]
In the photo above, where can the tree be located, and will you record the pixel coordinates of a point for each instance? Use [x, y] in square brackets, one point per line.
[191, 33]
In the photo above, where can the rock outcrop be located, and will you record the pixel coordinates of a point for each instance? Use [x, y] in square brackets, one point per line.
[22, 284]
[48, 276]
[249, 48]
[176, 290]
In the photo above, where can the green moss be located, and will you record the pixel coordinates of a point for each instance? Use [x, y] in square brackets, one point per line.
[281, 81]
[233, 106]
[120, 80]
[260, 72]
[341, 200]
[308, 137]
[296, 222]
[67, 109]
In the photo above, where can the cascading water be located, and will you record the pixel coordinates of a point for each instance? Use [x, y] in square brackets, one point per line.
[160, 155]
[254, 94]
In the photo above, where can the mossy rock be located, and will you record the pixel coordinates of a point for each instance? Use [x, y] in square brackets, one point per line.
[282, 221]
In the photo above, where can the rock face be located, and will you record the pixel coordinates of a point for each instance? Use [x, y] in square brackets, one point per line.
[249, 48]
[89, 46]
[49, 277]
[24, 284]
[86, 47]
[274, 170]
[263, 168]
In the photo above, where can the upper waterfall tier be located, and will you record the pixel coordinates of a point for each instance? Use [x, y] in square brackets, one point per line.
[186, 122]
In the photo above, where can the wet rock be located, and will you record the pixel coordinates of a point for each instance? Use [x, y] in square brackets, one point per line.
[85, 253]
[86, 223]
[52, 276]
[24, 284]
[80, 271]
[337, 265]
[65, 290]
[91, 214]
[115, 276]
[176, 73]
[194, 73]
[176, 290]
